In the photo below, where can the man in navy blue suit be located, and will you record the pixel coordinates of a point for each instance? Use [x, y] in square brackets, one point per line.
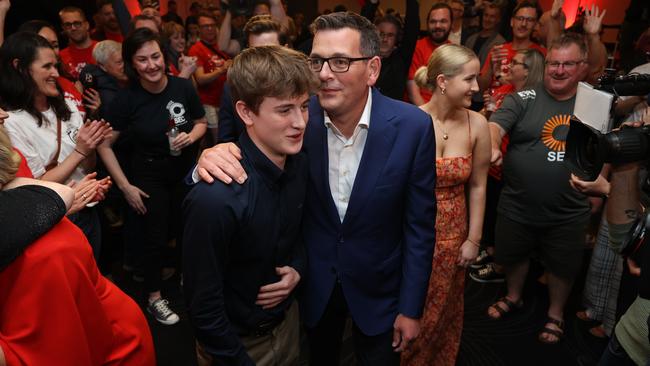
[369, 219]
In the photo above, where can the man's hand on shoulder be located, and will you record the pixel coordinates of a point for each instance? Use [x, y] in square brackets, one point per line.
[273, 294]
[405, 330]
[221, 162]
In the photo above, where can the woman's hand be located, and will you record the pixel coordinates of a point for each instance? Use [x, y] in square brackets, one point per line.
[181, 141]
[92, 100]
[91, 134]
[134, 196]
[467, 254]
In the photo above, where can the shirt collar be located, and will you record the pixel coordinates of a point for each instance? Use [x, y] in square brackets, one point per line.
[262, 164]
[364, 121]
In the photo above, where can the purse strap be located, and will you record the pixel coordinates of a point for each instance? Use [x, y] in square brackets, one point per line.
[55, 160]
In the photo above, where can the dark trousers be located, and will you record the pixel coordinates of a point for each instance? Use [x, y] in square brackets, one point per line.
[161, 179]
[326, 337]
[615, 355]
[88, 221]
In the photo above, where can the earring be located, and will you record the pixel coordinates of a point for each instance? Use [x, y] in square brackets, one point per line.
[443, 91]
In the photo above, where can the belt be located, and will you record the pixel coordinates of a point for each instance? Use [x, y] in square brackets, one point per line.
[265, 328]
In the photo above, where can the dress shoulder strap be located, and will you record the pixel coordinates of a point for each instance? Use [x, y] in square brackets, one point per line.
[469, 131]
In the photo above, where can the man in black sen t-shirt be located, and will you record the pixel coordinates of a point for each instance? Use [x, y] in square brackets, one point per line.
[243, 253]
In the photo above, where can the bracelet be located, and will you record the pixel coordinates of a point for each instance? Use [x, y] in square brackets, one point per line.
[80, 153]
[473, 242]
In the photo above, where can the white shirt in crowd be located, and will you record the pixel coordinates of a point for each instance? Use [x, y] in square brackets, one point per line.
[38, 144]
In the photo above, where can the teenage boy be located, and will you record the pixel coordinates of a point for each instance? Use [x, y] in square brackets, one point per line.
[243, 254]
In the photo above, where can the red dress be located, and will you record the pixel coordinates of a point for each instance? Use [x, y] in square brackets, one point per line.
[442, 322]
[57, 309]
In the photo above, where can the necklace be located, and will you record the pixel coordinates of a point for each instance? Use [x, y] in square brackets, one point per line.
[445, 135]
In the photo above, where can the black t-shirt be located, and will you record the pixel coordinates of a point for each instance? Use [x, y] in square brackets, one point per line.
[536, 187]
[148, 115]
[479, 43]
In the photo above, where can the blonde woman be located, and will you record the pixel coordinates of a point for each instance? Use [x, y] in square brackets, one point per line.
[462, 161]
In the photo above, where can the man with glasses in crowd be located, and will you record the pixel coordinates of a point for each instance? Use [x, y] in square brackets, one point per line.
[79, 52]
[369, 216]
[538, 210]
[212, 65]
[523, 21]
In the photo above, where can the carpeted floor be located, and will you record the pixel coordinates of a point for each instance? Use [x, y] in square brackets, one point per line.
[485, 342]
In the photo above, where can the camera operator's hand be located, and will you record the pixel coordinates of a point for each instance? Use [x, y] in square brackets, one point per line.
[635, 270]
[599, 187]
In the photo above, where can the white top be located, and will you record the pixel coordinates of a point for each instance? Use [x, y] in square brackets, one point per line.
[344, 157]
[38, 144]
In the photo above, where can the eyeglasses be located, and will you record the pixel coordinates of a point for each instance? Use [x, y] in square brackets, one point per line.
[521, 18]
[70, 25]
[208, 26]
[337, 64]
[515, 63]
[568, 65]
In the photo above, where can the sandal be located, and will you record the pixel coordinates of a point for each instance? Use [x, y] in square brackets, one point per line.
[559, 334]
[511, 307]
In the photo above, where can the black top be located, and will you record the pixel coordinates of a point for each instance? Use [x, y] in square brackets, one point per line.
[395, 67]
[92, 76]
[26, 213]
[230, 125]
[148, 115]
[235, 237]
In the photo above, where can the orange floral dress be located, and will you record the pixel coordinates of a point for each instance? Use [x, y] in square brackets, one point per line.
[442, 321]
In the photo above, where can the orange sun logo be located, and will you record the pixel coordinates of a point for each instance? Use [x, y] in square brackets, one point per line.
[549, 127]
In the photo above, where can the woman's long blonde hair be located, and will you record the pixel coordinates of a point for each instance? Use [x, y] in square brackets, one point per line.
[447, 60]
[9, 159]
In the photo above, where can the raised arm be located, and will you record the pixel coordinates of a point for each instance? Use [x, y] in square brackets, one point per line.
[226, 44]
[597, 57]
[411, 30]
[4, 9]
[278, 14]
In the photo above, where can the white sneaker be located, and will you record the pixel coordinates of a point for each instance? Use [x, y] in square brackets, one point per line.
[161, 311]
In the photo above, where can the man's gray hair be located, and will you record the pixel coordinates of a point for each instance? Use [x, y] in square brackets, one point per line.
[104, 49]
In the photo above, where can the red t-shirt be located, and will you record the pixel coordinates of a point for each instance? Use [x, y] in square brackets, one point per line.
[23, 168]
[74, 59]
[71, 93]
[511, 53]
[209, 94]
[423, 50]
[57, 309]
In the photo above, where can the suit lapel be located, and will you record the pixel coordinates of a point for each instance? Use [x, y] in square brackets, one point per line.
[379, 145]
[316, 146]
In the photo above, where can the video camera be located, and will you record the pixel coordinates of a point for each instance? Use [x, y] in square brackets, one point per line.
[587, 149]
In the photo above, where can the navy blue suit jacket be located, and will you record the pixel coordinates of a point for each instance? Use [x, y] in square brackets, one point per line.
[382, 251]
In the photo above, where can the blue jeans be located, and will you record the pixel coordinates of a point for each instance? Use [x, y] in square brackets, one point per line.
[615, 355]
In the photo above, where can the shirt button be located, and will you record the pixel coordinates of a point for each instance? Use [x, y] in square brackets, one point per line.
[340, 239]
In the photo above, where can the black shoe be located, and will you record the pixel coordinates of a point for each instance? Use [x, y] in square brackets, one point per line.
[482, 259]
[487, 274]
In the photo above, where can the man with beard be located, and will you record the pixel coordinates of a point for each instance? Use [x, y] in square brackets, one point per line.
[210, 73]
[107, 25]
[439, 26]
[80, 51]
[538, 210]
[523, 21]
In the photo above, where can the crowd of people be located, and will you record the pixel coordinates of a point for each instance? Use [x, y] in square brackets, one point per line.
[300, 177]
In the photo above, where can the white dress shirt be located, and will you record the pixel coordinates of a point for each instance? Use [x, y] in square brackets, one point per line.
[344, 157]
